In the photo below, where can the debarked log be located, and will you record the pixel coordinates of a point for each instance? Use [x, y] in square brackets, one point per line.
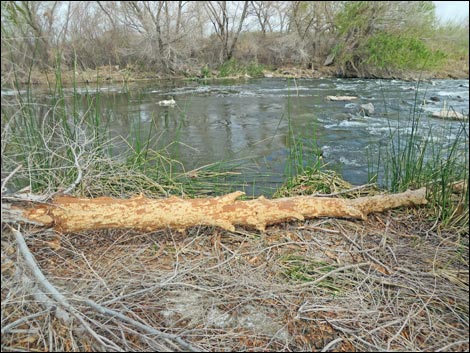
[70, 214]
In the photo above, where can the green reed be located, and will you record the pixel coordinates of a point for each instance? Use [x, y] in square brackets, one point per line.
[68, 139]
[303, 150]
[436, 158]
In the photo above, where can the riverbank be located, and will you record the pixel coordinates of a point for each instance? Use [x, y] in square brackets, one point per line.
[397, 281]
[110, 74]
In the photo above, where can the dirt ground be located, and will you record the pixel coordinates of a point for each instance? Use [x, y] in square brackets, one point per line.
[396, 282]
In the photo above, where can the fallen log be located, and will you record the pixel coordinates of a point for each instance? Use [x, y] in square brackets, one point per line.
[70, 214]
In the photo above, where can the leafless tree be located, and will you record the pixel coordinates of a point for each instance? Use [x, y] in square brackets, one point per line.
[264, 12]
[227, 24]
[175, 36]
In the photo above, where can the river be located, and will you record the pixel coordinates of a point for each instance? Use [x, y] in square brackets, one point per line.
[254, 124]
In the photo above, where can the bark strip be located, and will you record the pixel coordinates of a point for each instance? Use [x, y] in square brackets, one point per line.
[70, 214]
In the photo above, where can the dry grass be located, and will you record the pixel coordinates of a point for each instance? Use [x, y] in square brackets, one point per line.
[392, 283]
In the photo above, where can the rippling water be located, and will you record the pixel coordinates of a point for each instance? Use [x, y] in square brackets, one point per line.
[256, 121]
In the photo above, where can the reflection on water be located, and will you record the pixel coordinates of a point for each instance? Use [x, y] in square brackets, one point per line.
[251, 120]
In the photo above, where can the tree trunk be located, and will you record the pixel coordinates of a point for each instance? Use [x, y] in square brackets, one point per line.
[237, 34]
[70, 214]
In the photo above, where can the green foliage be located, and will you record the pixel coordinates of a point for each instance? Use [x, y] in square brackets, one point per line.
[376, 37]
[364, 18]
[230, 68]
[353, 17]
[234, 68]
[304, 270]
[205, 71]
[389, 51]
[254, 69]
[411, 161]
[10, 14]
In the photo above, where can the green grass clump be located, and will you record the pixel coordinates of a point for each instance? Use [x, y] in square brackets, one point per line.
[234, 68]
[412, 158]
[313, 181]
[205, 72]
[254, 69]
[66, 145]
[303, 270]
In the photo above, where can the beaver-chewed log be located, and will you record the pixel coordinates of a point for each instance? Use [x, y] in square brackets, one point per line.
[70, 214]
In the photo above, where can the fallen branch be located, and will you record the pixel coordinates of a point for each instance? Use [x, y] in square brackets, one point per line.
[146, 328]
[64, 303]
[70, 214]
[48, 287]
[22, 320]
[8, 177]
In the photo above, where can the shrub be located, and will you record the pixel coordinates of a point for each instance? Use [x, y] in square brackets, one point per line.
[234, 68]
[390, 51]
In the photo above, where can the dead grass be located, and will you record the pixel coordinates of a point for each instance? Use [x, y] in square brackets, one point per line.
[393, 283]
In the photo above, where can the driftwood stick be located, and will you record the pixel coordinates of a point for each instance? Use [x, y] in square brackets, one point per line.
[8, 177]
[146, 328]
[37, 273]
[60, 298]
[70, 214]
[48, 287]
[20, 321]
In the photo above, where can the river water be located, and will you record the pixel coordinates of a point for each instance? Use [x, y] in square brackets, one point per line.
[254, 124]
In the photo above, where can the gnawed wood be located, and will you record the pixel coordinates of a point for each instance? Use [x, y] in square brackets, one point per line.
[70, 214]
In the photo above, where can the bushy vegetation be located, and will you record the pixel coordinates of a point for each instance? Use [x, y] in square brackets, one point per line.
[171, 38]
[388, 51]
[234, 68]
[383, 39]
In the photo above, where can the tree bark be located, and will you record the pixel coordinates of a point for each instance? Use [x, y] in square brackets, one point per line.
[70, 214]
